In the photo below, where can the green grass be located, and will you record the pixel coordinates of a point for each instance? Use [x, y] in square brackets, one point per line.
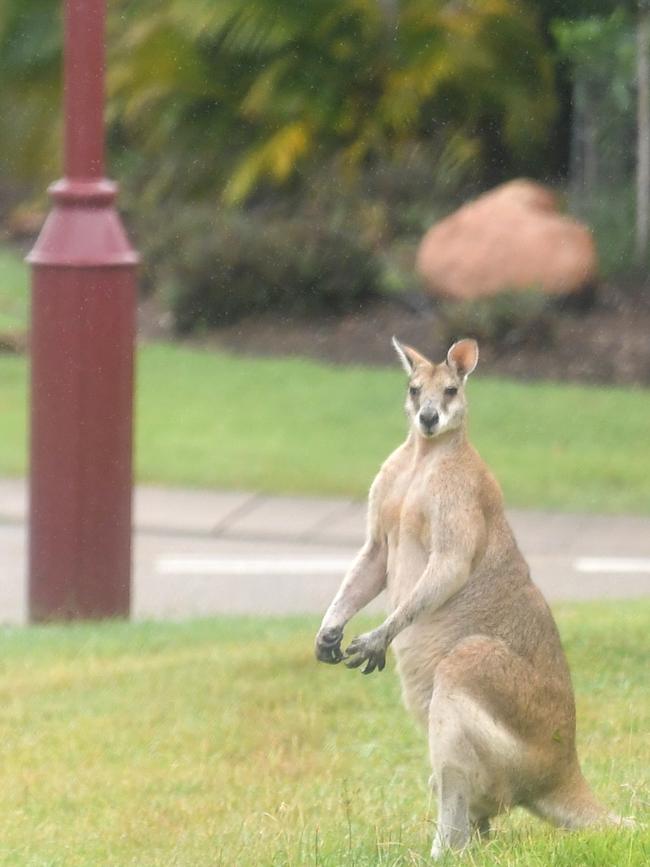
[14, 282]
[223, 742]
[290, 425]
[209, 419]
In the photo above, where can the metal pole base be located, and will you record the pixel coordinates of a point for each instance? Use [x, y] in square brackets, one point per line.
[83, 305]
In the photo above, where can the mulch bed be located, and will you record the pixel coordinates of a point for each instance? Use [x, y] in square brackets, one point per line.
[607, 343]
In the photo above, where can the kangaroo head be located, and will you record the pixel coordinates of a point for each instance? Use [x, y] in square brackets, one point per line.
[436, 400]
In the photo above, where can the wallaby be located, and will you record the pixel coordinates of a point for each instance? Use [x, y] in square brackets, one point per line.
[478, 651]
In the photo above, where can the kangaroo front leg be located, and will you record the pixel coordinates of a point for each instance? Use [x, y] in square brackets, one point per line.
[365, 579]
[438, 583]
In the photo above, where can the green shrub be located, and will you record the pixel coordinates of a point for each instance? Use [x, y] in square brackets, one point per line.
[510, 317]
[216, 269]
[610, 213]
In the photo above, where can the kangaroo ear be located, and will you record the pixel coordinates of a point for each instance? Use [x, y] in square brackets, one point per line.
[463, 357]
[409, 357]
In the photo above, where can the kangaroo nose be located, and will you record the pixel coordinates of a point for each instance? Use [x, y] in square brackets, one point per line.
[429, 418]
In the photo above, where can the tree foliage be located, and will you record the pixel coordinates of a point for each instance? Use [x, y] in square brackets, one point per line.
[218, 97]
[30, 124]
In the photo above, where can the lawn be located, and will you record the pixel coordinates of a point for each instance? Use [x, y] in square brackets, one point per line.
[210, 419]
[223, 742]
[14, 281]
[289, 425]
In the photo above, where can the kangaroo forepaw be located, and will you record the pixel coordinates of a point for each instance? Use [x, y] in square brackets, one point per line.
[369, 648]
[328, 645]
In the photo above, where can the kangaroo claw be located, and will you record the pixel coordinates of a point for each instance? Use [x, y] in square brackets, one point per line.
[328, 645]
[368, 648]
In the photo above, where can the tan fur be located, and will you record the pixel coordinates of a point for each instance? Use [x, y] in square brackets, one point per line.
[478, 652]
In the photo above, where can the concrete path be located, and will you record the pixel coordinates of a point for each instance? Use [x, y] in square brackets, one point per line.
[198, 553]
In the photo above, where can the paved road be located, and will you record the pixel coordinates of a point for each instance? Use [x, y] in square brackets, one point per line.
[198, 553]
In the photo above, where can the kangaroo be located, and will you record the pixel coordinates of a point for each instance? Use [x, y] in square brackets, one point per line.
[478, 652]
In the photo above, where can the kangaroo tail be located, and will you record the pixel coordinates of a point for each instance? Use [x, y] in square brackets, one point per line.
[573, 805]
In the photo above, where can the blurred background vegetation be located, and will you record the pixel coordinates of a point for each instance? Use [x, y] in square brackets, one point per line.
[285, 159]
[288, 156]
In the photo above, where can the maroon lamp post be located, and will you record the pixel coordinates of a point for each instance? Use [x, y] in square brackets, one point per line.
[83, 302]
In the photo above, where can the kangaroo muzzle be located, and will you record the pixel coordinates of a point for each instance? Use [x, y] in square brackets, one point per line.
[428, 418]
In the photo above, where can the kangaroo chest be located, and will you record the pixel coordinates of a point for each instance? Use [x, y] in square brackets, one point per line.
[410, 506]
[403, 509]
[406, 514]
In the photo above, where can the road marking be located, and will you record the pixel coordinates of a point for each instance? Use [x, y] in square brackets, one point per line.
[629, 565]
[178, 565]
[221, 566]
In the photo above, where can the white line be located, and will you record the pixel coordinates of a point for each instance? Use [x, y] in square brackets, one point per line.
[333, 566]
[636, 565]
[213, 566]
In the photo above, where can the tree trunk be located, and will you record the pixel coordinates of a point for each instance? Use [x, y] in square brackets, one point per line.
[643, 135]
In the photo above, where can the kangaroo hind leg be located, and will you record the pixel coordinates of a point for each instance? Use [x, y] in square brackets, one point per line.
[454, 763]
[472, 750]
[454, 828]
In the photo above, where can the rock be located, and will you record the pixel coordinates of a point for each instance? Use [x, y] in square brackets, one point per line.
[511, 238]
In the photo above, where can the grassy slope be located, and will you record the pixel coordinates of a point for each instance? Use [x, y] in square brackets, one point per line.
[223, 743]
[209, 419]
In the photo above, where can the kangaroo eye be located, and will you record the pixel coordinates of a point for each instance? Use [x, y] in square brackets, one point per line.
[451, 391]
[414, 390]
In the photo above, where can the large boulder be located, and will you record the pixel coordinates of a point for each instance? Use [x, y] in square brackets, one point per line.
[511, 238]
